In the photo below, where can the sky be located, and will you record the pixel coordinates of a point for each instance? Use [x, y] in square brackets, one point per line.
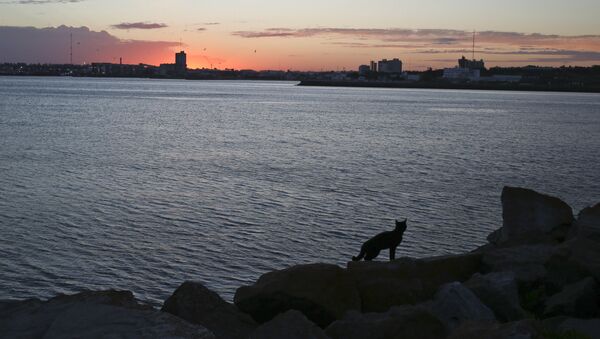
[301, 35]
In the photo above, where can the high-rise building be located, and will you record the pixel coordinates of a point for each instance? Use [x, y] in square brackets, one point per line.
[181, 62]
[373, 66]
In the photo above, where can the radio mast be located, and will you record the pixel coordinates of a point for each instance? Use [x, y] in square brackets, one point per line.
[473, 44]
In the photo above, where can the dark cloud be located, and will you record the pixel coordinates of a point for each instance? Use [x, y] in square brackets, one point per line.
[201, 29]
[211, 23]
[139, 25]
[51, 45]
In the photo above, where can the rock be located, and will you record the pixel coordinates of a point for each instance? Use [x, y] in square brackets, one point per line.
[455, 304]
[398, 322]
[323, 293]
[587, 327]
[579, 300]
[408, 281]
[588, 221]
[92, 315]
[526, 261]
[524, 329]
[531, 217]
[199, 305]
[289, 325]
[498, 291]
[586, 245]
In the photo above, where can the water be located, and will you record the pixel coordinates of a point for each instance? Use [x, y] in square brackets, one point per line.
[143, 184]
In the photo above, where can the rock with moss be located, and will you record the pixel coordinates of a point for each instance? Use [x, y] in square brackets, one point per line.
[579, 300]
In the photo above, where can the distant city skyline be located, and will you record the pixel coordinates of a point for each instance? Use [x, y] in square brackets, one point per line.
[312, 35]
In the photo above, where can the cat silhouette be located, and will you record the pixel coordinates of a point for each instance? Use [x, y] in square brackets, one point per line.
[371, 248]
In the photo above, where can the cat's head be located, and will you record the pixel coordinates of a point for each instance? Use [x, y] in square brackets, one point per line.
[401, 225]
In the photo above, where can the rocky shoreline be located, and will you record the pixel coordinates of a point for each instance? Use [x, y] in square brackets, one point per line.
[536, 278]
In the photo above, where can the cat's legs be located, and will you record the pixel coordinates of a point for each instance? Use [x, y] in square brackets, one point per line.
[392, 253]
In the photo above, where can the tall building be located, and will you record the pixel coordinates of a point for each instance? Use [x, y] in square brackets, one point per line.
[373, 66]
[390, 66]
[181, 62]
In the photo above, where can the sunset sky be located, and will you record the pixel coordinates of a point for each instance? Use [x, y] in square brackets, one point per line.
[301, 35]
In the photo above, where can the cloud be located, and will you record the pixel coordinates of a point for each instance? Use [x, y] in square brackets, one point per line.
[52, 44]
[538, 47]
[139, 25]
[201, 29]
[211, 23]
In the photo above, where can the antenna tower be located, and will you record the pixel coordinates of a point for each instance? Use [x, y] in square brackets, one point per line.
[473, 44]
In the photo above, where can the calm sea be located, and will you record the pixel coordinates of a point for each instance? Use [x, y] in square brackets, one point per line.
[143, 184]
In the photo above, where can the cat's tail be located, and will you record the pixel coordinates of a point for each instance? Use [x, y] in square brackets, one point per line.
[360, 256]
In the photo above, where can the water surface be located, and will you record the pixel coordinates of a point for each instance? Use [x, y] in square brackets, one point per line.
[142, 184]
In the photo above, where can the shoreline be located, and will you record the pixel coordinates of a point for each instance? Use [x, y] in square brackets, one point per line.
[446, 85]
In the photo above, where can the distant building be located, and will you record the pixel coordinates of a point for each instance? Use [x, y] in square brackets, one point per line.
[364, 69]
[179, 68]
[462, 74]
[471, 64]
[467, 70]
[373, 66]
[181, 61]
[389, 66]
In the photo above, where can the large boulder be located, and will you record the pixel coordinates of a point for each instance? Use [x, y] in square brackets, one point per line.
[585, 327]
[523, 329]
[455, 304]
[578, 300]
[526, 261]
[398, 322]
[199, 305]
[108, 314]
[289, 325]
[408, 281]
[531, 217]
[498, 291]
[586, 245]
[322, 292]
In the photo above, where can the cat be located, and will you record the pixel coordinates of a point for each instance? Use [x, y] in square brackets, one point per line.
[370, 249]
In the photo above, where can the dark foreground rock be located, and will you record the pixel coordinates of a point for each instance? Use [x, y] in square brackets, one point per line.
[199, 305]
[109, 314]
[408, 281]
[398, 322]
[578, 300]
[323, 293]
[499, 291]
[455, 304]
[289, 325]
[524, 329]
[586, 245]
